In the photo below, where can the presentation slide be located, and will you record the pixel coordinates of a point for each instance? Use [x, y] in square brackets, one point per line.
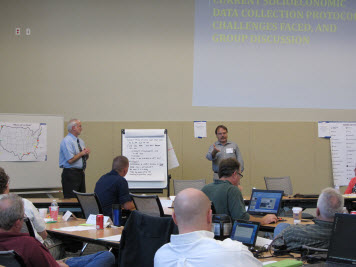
[275, 53]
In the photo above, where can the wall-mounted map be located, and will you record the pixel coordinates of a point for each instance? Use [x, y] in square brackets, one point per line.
[23, 141]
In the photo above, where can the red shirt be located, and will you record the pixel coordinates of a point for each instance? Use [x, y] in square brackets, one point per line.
[350, 186]
[29, 248]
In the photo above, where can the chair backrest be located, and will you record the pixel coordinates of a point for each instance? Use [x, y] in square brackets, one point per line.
[180, 185]
[279, 183]
[142, 236]
[213, 210]
[150, 205]
[11, 259]
[89, 203]
[27, 227]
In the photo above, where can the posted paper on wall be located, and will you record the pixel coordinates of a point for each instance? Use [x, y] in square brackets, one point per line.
[324, 129]
[200, 129]
[343, 151]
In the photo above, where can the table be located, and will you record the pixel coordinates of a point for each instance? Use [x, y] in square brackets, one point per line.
[267, 227]
[309, 203]
[88, 236]
[270, 227]
[64, 204]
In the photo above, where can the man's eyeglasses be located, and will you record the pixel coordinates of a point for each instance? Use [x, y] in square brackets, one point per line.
[240, 174]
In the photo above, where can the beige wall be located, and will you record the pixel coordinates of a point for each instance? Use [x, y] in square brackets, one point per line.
[268, 148]
[129, 64]
[112, 60]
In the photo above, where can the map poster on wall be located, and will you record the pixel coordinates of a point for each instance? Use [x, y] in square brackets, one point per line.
[23, 141]
[147, 154]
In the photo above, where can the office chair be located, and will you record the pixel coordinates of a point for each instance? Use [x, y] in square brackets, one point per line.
[89, 204]
[180, 185]
[280, 183]
[150, 205]
[11, 259]
[27, 227]
[285, 184]
[142, 236]
[213, 210]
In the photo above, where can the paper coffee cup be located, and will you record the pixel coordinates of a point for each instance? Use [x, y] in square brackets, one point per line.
[43, 212]
[297, 214]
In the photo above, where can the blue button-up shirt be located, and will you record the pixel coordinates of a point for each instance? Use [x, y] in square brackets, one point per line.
[68, 149]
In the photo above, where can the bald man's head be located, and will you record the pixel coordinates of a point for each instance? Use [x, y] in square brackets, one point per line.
[192, 211]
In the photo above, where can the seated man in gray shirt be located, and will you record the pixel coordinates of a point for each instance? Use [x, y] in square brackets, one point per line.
[313, 235]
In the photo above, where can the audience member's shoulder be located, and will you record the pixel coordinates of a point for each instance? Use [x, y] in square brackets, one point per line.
[234, 189]
[28, 240]
[27, 202]
[233, 245]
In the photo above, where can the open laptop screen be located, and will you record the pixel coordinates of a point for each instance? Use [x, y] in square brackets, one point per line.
[264, 202]
[342, 246]
[245, 232]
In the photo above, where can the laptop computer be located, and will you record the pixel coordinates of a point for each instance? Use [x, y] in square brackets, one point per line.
[264, 202]
[245, 232]
[342, 247]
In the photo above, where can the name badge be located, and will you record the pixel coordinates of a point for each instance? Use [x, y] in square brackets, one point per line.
[229, 150]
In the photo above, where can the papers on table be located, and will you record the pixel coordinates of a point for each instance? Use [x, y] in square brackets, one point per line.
[116, 238]
[349, 195]
[67, 215]
[77, 228]
[166, 203]
[92, 219]
[268, 262]
[261, 242]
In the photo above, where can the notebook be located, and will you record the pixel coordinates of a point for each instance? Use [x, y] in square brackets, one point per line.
[342, 248]
[264, 202]
[245, 232]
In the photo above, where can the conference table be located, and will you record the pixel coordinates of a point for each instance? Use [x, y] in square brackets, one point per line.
[305, 203]
[89, 236]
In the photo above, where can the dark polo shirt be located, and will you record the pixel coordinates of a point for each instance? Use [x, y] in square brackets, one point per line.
[112, 189]
[227, 199]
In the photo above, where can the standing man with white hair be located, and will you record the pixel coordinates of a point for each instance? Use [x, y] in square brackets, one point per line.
[315, 235]
[73, 156]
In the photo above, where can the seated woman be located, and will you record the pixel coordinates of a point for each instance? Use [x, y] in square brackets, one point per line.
[351, 189]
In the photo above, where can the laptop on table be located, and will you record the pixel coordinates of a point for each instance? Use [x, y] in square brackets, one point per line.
[245, 232]
[264, 202]
[342, 247]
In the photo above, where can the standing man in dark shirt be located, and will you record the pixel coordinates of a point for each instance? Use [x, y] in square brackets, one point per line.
[112, 188]
[223, 149]
[73, 156]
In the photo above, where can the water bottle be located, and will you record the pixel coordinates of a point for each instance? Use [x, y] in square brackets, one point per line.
[54, 210]
[116, 214]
